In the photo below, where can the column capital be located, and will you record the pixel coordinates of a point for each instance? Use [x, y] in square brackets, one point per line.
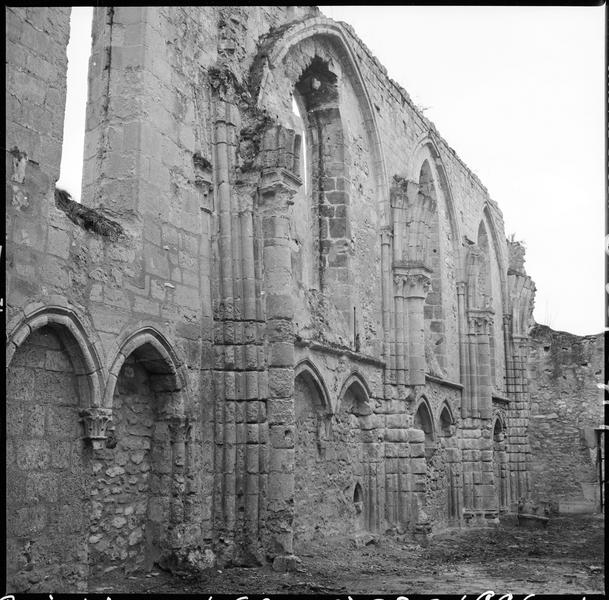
[386, 235]
[179, 427]
[278, 182]
[417, 281]
[95, 420]
[399, 282]
[479, 320]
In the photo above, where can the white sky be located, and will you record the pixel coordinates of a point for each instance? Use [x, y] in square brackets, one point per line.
[79, 51]
[518, 92]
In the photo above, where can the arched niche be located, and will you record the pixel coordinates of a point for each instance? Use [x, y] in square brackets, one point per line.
[85, 353]
[500, 462]
[359, 506]
[53, 374]
[423, 420]
[157, 356]
[315, 495]
[447, 424]
[309, 375]
[355, 396]
[148, 458]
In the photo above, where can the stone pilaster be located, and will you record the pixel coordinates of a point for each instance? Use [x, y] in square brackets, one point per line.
[416, 285]
[479, 324]
[464, 359]
[400, 344]
[178, 427]
[388, 316]
[478, 478]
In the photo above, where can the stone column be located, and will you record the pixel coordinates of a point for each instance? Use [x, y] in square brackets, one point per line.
[276, 189]
[464, 363]
[178, 427]
[478, 476]
[399, 281]
[417, 284]
[386, 240]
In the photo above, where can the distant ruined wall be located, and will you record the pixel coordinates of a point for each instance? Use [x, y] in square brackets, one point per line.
[566, 408]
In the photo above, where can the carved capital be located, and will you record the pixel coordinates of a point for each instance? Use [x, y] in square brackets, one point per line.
[461, 288]
[479, 321]
[95, 420]
[386, 235]
[399, 281]
[277, 187]
[179, 429]
[417, 284]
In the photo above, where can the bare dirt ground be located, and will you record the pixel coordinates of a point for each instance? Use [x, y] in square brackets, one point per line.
[567, 557]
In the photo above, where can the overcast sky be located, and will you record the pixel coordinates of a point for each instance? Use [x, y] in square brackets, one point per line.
[518, 92]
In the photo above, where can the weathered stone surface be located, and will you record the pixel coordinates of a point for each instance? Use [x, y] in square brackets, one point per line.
[565, 413]
[297, 322]
[287, 563]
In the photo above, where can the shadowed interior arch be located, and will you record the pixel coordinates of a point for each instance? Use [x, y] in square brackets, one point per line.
[424, 421]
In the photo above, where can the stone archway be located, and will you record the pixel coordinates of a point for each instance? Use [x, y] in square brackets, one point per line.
[52, 374]
[139, 496]
[315, 504]
[500, 465]
[357, 451]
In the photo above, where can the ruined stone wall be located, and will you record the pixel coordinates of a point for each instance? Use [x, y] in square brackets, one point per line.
[566, 407]
[251, 360]
[106, 292]
[35, 100]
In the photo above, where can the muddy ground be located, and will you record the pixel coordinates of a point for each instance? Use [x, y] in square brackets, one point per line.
[567, 557]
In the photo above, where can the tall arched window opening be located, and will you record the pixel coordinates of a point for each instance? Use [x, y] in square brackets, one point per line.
[306, 250]
[435, 347]
[317, 99]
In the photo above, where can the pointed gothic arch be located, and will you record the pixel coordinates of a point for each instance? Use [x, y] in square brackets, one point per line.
[84, 351]
[152, 349]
